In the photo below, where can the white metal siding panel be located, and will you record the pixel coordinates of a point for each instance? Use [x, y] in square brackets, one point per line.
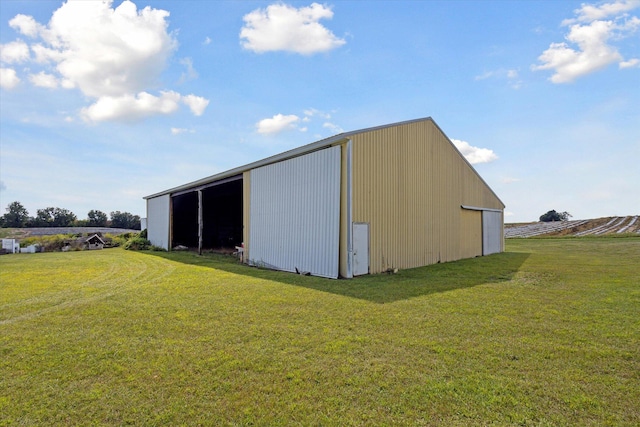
[158, 220]
[295, 214]
[491, 232]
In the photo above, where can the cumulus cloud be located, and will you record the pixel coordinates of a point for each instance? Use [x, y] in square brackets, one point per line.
[26, 25]
[286, 28]
[589, 12]
[630, 63]
[43, 79]
[132, 107]
[474, 155]
[310, 118]
[196, 104]
[589, 44]
[12, 52]
[277, 124]
[113, 55]
[8, 78]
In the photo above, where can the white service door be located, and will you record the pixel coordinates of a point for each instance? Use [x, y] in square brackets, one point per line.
[360, 248]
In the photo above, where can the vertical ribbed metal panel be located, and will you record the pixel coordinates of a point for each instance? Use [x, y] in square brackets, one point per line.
[409, 182]
[246, 209]
[470, 233]
[158, 221]
[295, 214]
[492, 233]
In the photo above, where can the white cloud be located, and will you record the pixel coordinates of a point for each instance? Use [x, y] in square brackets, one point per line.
[283, 27]
[276, 124]
[43, 79]
[510, 75]
[332, 127]
[26, 25]
[635, 62]
[197, 104]
[190, 73]
[592, 38]
[311, 112]
[109, 52]
[178, 131]
[207, 40]
[130, 107]
[8, 78]
[473, 154]
[509, 180]
[113, 55]
[589, 12]
[16, 51]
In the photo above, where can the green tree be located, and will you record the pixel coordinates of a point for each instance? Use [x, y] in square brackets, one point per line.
[552, 215]
[63, 218]
[16, 216]
[97, 218]
[54, 217]
[125, 220]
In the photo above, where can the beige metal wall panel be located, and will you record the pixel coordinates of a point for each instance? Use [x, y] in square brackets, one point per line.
[246, 211]
[159, 221]
[409, 183]
[295, 214]
[470, 233]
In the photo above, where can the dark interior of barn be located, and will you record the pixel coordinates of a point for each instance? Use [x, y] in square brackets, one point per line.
[221, 216]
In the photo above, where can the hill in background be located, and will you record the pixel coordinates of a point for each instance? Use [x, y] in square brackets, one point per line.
[582, 227]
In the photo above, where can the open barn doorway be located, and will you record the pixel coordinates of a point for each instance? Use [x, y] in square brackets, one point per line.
[215, 209]
[184, 220]
[222, 215]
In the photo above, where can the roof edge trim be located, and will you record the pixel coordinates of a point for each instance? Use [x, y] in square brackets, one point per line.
[296, 152]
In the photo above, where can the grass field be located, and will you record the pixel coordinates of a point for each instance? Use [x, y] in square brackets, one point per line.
[547, 333]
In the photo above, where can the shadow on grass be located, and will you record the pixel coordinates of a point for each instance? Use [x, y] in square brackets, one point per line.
[378, 288]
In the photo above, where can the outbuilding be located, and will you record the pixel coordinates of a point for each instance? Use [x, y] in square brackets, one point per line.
[366, 201]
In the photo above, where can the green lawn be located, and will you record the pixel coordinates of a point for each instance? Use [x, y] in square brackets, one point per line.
[547, 333]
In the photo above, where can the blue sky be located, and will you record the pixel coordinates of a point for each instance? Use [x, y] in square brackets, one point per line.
[102, 103]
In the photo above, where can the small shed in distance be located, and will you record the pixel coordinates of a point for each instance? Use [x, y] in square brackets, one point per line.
[392, 196]
[94, 242]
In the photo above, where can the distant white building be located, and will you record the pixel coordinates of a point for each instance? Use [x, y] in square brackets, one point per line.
[31, 249]
[11, 245]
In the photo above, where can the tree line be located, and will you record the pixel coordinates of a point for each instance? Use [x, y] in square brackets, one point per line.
[17, 216]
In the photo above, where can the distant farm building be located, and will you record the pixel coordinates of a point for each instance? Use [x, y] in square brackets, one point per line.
[94, 242]
[393, 196]
[10, 246]
[91, 242]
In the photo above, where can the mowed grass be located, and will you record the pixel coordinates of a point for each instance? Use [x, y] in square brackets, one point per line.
[547, 333]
